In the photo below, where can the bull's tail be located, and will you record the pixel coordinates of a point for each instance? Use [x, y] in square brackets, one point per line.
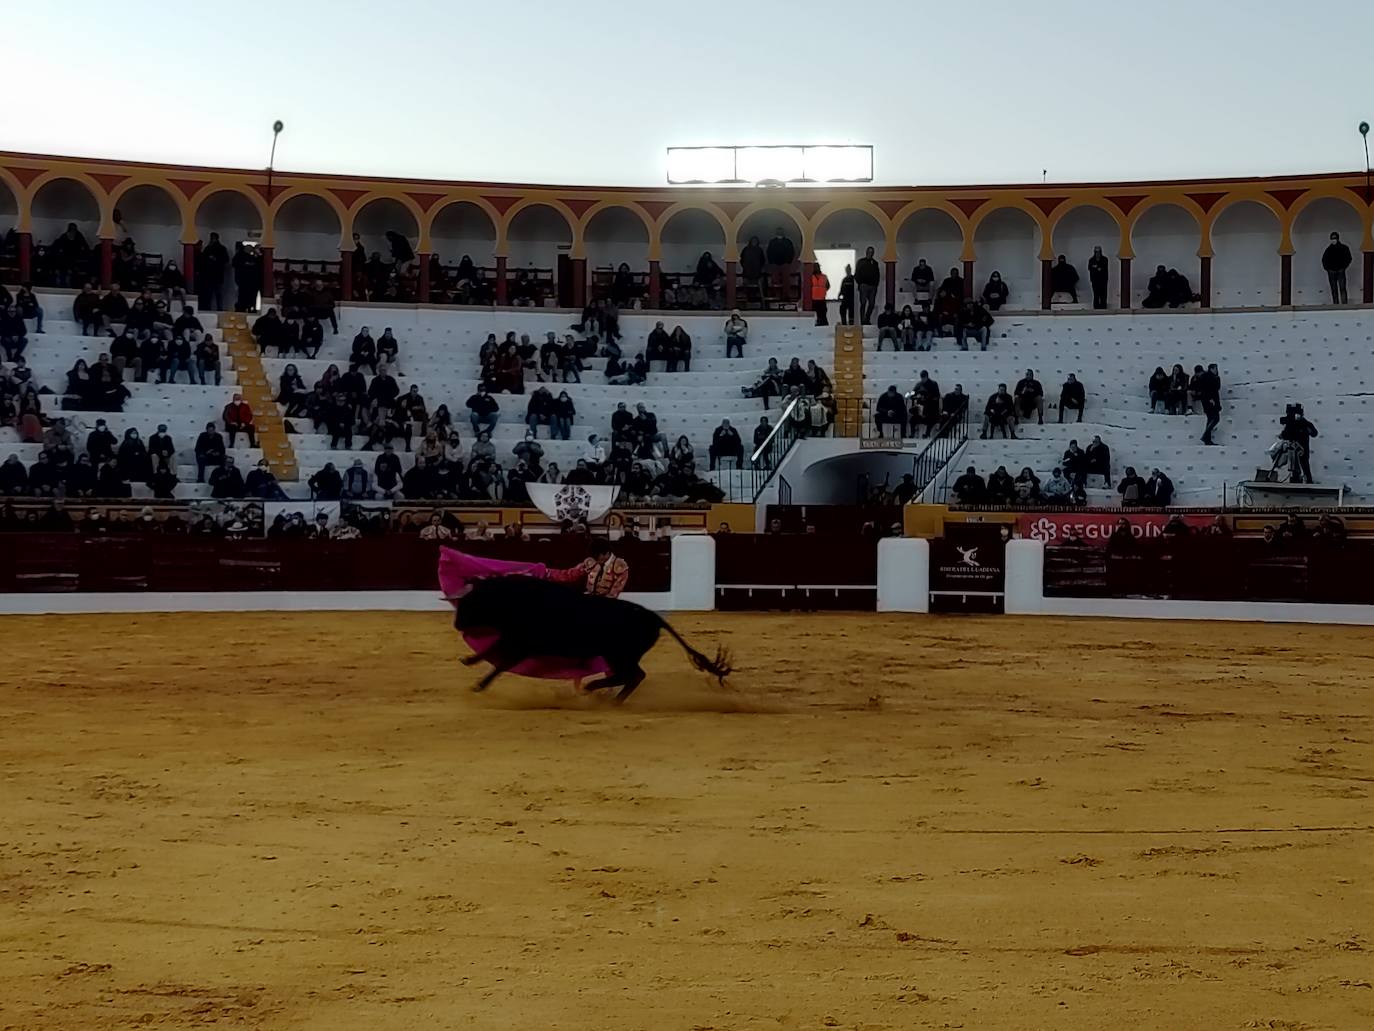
[719, 667]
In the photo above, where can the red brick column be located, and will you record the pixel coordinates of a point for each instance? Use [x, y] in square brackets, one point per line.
[890, 278]
[1045, 284]
[579, 283]
[501, 281]
[655, 286]
[422, 288]
[1125, 283]
[1205, 289]
[731, 282]
[968, 279]
[25, 257]
[1286, 279]
[345, 275]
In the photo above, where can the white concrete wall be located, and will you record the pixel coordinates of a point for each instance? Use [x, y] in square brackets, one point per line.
[903, 574]
[1246, 268]
[1008, 241]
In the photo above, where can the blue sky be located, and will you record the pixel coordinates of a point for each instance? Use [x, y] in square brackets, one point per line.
[546, 91]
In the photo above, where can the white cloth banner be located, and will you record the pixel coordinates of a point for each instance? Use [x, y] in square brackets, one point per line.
[559, 501]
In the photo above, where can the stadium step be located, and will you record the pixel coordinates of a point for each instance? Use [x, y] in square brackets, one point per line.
[257, 391]
[849, 378]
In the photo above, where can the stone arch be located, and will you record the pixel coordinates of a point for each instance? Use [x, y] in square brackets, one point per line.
[536, 233]
[1008, 239]
[931, 232]
[464, 227]
[152, 216]
[281, 198]
[9, 205]
[377, 214]
[615, 234]
[763, 219]
[56, 201]
[230, 209]
[848, 226]
[503, 228]
[1075, 216]
[1246, 237]
[1169, 234]
[685, 232]
[1315, 216]
[306, 227]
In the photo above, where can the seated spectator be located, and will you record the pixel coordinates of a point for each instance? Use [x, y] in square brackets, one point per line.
[1175, 527]
[890, 410]
[1030, 398]
[1159, 388]
[795, 376]
[261, 484]
[954, 404]
[953, 284]
[529, 451]
[999, 414]
[114, 307]
[291, 392]
[726, 443]
[163, 480]
[160, 445]
[134, 464]
[14, 478]
[995, 293]
[706, 281]
[944, 314]
[100, 443]
[736, 333]
[817, 381]
[364, 351]
[1072, 397]
[1064, 279]
[435, 530]
[975, 322]
[81, 481]
[45, 480]
[539, 411]
[1075, 464]
[1026, 487]
[308, 341]
[386, 472]
[1058, 490]
[109, 483]
[914, 329]
[267, 329]
[188, 326]
[761, 434]
[1001, 487]
[889, 323]
[13, 333]
[176, 358]
[1159, 490]
[484, 411]
[969, 489]
[80, 390]
[683, 457]
[769, 383]
[58, 443]
[172, 281]
[86, 311]
[581, 473]
[1177, 403]
[357, 484]
[1157, 289]
[562, 412]
[29, 308]
[210, 451]
[327, 484]
[238, 418]
[656, 349]
[207, 359]
[1131, 488]
[679, 350]
[1122, 540]
[925, 403]
[226, 481]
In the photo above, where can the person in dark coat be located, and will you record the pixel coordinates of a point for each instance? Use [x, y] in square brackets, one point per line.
[890, 410]
[327, 484]
[1099, 460]
[781, 253]
[401, 251]
[867, 274]
[227, 481]
[100, 443]
[752, 270]
[211, 264]
[995, 293]
[847, 291]
[726, 443]
[1064, 279]
[1159, 489]
[999, 414]
[1072, 397]
[134, 464]
[969, 489]
[1335, 260]
[1098, 269]
[1299, 431]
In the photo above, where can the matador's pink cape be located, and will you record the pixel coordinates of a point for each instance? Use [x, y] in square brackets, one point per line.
[456, 569]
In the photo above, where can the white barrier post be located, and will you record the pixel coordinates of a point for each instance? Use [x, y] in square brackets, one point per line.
[1025, 578]
[903, 574]
[694, 572]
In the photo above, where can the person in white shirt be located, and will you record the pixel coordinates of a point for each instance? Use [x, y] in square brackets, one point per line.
[1057, 488]
[736, 333]
[594, 453]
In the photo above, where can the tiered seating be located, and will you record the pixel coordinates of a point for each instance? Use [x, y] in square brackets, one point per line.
[439, 353]
[1322, 360]
[185, 409]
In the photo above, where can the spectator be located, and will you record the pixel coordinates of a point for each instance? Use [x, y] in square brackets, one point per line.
[188, 326]
[970, 489]
[70, 253]
[762, 432]
[247, 277]
[100, 443]
[310, 339]
[1159, 389]
[751, 265]
[1177, 398]
[867, 274]
[1030, 398]
[656, 347]
[999, 414]
[1297, 430]
[29, 308]
[726, 443]
[81, 478]
[132, 457]
[238, 418]
[1064, 279]
[820, 289]
[13, 333]
[562, 414]
[954, 404]
[44, 477]
[109, 483]
[160, 445]
[327, 484]
[906, 491]
[925, 403]
[435, 530]
[1001, 487]
[888, 327]
[995, 293]
[1131, 488]
[163, 480]
[210, 451]
[1157, 289]
[357, 484]
[817, 381]
[1122, 540]
[291, 392]
[364, 351]
[484, 411]
[1072, 397]
[58, 443]
[769, 383]
[86, 311]
[539, 411]
[14, 478]
[706, 280]
[399, 246]
[207, 359]
[211, 264]
[580, 474]
[227, 481]
[781, 254]
[915, 329]
[594, 454]
[387, 472]
[1058, 490]
[1209, 396]
[267, 329]
[679, 350]
[1075, 464]
[1335, 260]
[923, 282]
[319, 306]
[795, 376]
[890, 410]
[1098, 269]
[1159, 490]
[1026, 488]
[953, 284]
[176, 358]
[944, 315]
[261, 484]
[1099, 460]
[736, 333]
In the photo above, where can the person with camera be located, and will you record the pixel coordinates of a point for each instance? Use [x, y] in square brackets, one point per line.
[1298, 431]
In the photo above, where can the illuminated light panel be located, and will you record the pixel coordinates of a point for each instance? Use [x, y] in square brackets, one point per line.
[781, 164]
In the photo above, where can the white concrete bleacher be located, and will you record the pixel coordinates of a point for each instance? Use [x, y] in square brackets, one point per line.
[1323, 360]
[438, 352]
[184, 408]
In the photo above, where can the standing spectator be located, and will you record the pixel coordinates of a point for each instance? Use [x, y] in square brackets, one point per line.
[238, 418]
[726, 443]
[1064, 279]
[1209, 396]
[781, 254]
[868, 274]
[247, 277]
[1299, 431]
[995, 293]
[736, 333]
[211, 265]
[1098, 267]
[484, 411]
[751, 266]
[209, 451]
[1336, 259]
[1099, 460]
[847, 288]
[820, 288]
[1072, 396]
[999, 414]
[227, 481]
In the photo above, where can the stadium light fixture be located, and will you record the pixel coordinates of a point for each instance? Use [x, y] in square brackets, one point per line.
[770, 165]
[1364, 131]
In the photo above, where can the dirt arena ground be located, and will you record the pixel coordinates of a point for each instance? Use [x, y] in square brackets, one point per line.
[308, 821]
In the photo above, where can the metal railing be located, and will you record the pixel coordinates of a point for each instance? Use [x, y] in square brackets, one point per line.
[945, 438]
[745, 483]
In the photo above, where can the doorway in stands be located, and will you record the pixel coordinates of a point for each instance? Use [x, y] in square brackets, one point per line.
[832, 262]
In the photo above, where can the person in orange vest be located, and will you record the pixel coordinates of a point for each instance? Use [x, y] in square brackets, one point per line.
[820, 286]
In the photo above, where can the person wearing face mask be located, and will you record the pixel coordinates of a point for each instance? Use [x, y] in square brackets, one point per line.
[132, 457]
[1335, 260]
[1097, 275]
[260, 483]
[995, 292]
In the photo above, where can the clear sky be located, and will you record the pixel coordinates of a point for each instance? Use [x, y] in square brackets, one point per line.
[594, 91]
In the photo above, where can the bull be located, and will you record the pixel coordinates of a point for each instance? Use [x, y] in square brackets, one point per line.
[528, 618]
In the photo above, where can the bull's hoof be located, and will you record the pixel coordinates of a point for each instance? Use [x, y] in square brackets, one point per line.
[468, 660]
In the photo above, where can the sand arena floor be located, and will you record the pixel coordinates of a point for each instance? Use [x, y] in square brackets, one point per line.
[308, 821]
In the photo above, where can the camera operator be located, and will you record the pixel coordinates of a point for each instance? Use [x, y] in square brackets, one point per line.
[1300, 432]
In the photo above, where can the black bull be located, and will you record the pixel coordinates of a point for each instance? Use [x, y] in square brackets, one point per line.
[534, 618]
